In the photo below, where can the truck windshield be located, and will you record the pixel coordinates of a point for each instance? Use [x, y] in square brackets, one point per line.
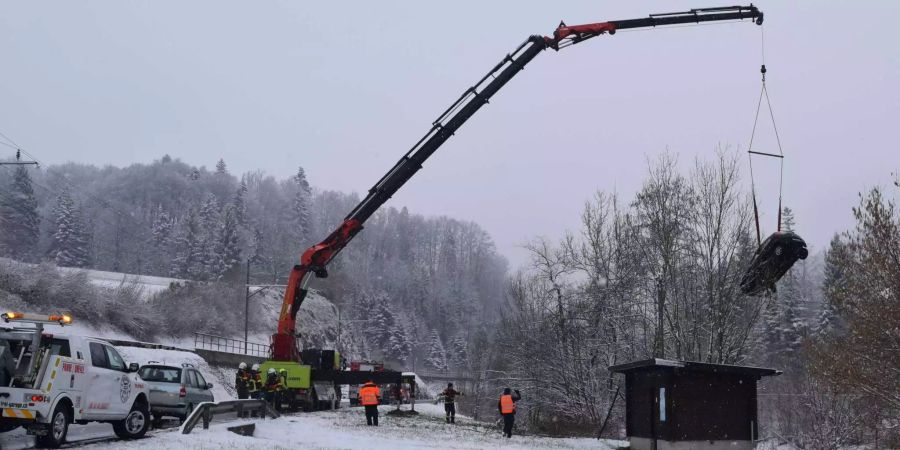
[160, 374]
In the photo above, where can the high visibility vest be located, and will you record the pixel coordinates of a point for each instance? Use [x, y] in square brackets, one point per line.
[253, 383]
[273, 383]
[368, 395]
[507, 405]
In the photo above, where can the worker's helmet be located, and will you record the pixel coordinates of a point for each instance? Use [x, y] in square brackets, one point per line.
[256, 367]
[271, 370]
[242, 366]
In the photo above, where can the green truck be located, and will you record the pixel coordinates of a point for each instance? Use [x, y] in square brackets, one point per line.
[316, 385]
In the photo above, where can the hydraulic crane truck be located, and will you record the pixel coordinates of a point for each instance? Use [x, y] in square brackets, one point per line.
[285, 352]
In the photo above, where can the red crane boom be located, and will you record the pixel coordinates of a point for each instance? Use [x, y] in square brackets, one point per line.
[316, 258]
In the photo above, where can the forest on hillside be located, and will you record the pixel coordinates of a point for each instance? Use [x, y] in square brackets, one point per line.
[422, 286]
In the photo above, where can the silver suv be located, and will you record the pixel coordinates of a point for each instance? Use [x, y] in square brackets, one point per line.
[174, 391]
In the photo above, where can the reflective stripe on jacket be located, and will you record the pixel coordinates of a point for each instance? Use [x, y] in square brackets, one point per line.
[253, 382]
[368, 395]
[507, 405]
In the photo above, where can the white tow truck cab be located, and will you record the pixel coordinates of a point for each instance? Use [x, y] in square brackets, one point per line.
[49, 381]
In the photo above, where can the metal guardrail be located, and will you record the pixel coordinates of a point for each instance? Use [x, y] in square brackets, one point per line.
[206, 413]
[212, 342]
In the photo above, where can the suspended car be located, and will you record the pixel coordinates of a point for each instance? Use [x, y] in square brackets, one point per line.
[772, 260]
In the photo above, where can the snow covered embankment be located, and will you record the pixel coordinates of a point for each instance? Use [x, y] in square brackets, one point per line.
[346, 428]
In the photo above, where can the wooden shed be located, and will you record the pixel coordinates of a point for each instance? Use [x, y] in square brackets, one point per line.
[690, 405]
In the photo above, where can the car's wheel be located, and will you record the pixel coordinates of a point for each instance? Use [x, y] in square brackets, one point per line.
[135, 424]
[59, 427]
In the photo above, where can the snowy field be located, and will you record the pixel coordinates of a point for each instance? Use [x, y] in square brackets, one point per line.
[149, 284]
[346, 429]
[340, 429]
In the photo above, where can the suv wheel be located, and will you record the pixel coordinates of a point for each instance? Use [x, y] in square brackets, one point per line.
[56, 432]
[135, 424]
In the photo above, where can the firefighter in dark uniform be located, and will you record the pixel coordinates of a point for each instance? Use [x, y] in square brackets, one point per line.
[449, 395]
[369, 396]
[241, 379]
[272, 387]
[507, 408]
[254, 383]
[282, 389]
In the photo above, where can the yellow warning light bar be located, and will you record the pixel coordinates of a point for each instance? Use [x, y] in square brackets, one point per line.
[61, 319]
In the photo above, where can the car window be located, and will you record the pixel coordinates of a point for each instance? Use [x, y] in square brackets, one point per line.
[201, 383]
[193, 375]
[160, 374]
[60, 347]
[98, 355]
[115, 361]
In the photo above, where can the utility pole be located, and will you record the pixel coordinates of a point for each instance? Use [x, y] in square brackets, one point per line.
[247, 307]
[660, 311]
[18, 161]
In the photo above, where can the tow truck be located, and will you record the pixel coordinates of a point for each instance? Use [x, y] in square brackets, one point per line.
[49, 381]
[284, 350]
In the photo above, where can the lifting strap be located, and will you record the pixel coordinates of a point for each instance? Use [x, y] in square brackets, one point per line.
[750, 152]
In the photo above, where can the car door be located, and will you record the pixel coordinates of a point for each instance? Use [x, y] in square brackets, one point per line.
[195, 394]
[121, 396]
[205, 395]
[102, 385]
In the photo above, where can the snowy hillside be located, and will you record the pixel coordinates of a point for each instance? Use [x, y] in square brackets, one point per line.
[164, 310]
[101, 278]
[148, 284]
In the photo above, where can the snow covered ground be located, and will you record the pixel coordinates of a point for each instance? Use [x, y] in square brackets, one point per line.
[346, 428]
[149, 284]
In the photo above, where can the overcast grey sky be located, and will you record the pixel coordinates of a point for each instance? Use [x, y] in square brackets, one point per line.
[345, 88]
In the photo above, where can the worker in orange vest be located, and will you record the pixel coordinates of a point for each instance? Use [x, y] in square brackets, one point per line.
[369, 397]
[507, 408]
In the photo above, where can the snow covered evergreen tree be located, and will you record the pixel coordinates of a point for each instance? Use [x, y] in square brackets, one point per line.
[229, 238]
[19, 219]
[459, 349]
[70, 242]
[221, 169]
[188, 249]
[399, 346]
[437, 356]
[162, 227]
[790, 299]
[834, 285]
[300, 206]
[210, 222]
[240, 203]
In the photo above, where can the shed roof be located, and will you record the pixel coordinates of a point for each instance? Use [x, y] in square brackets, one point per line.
[656, 363]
